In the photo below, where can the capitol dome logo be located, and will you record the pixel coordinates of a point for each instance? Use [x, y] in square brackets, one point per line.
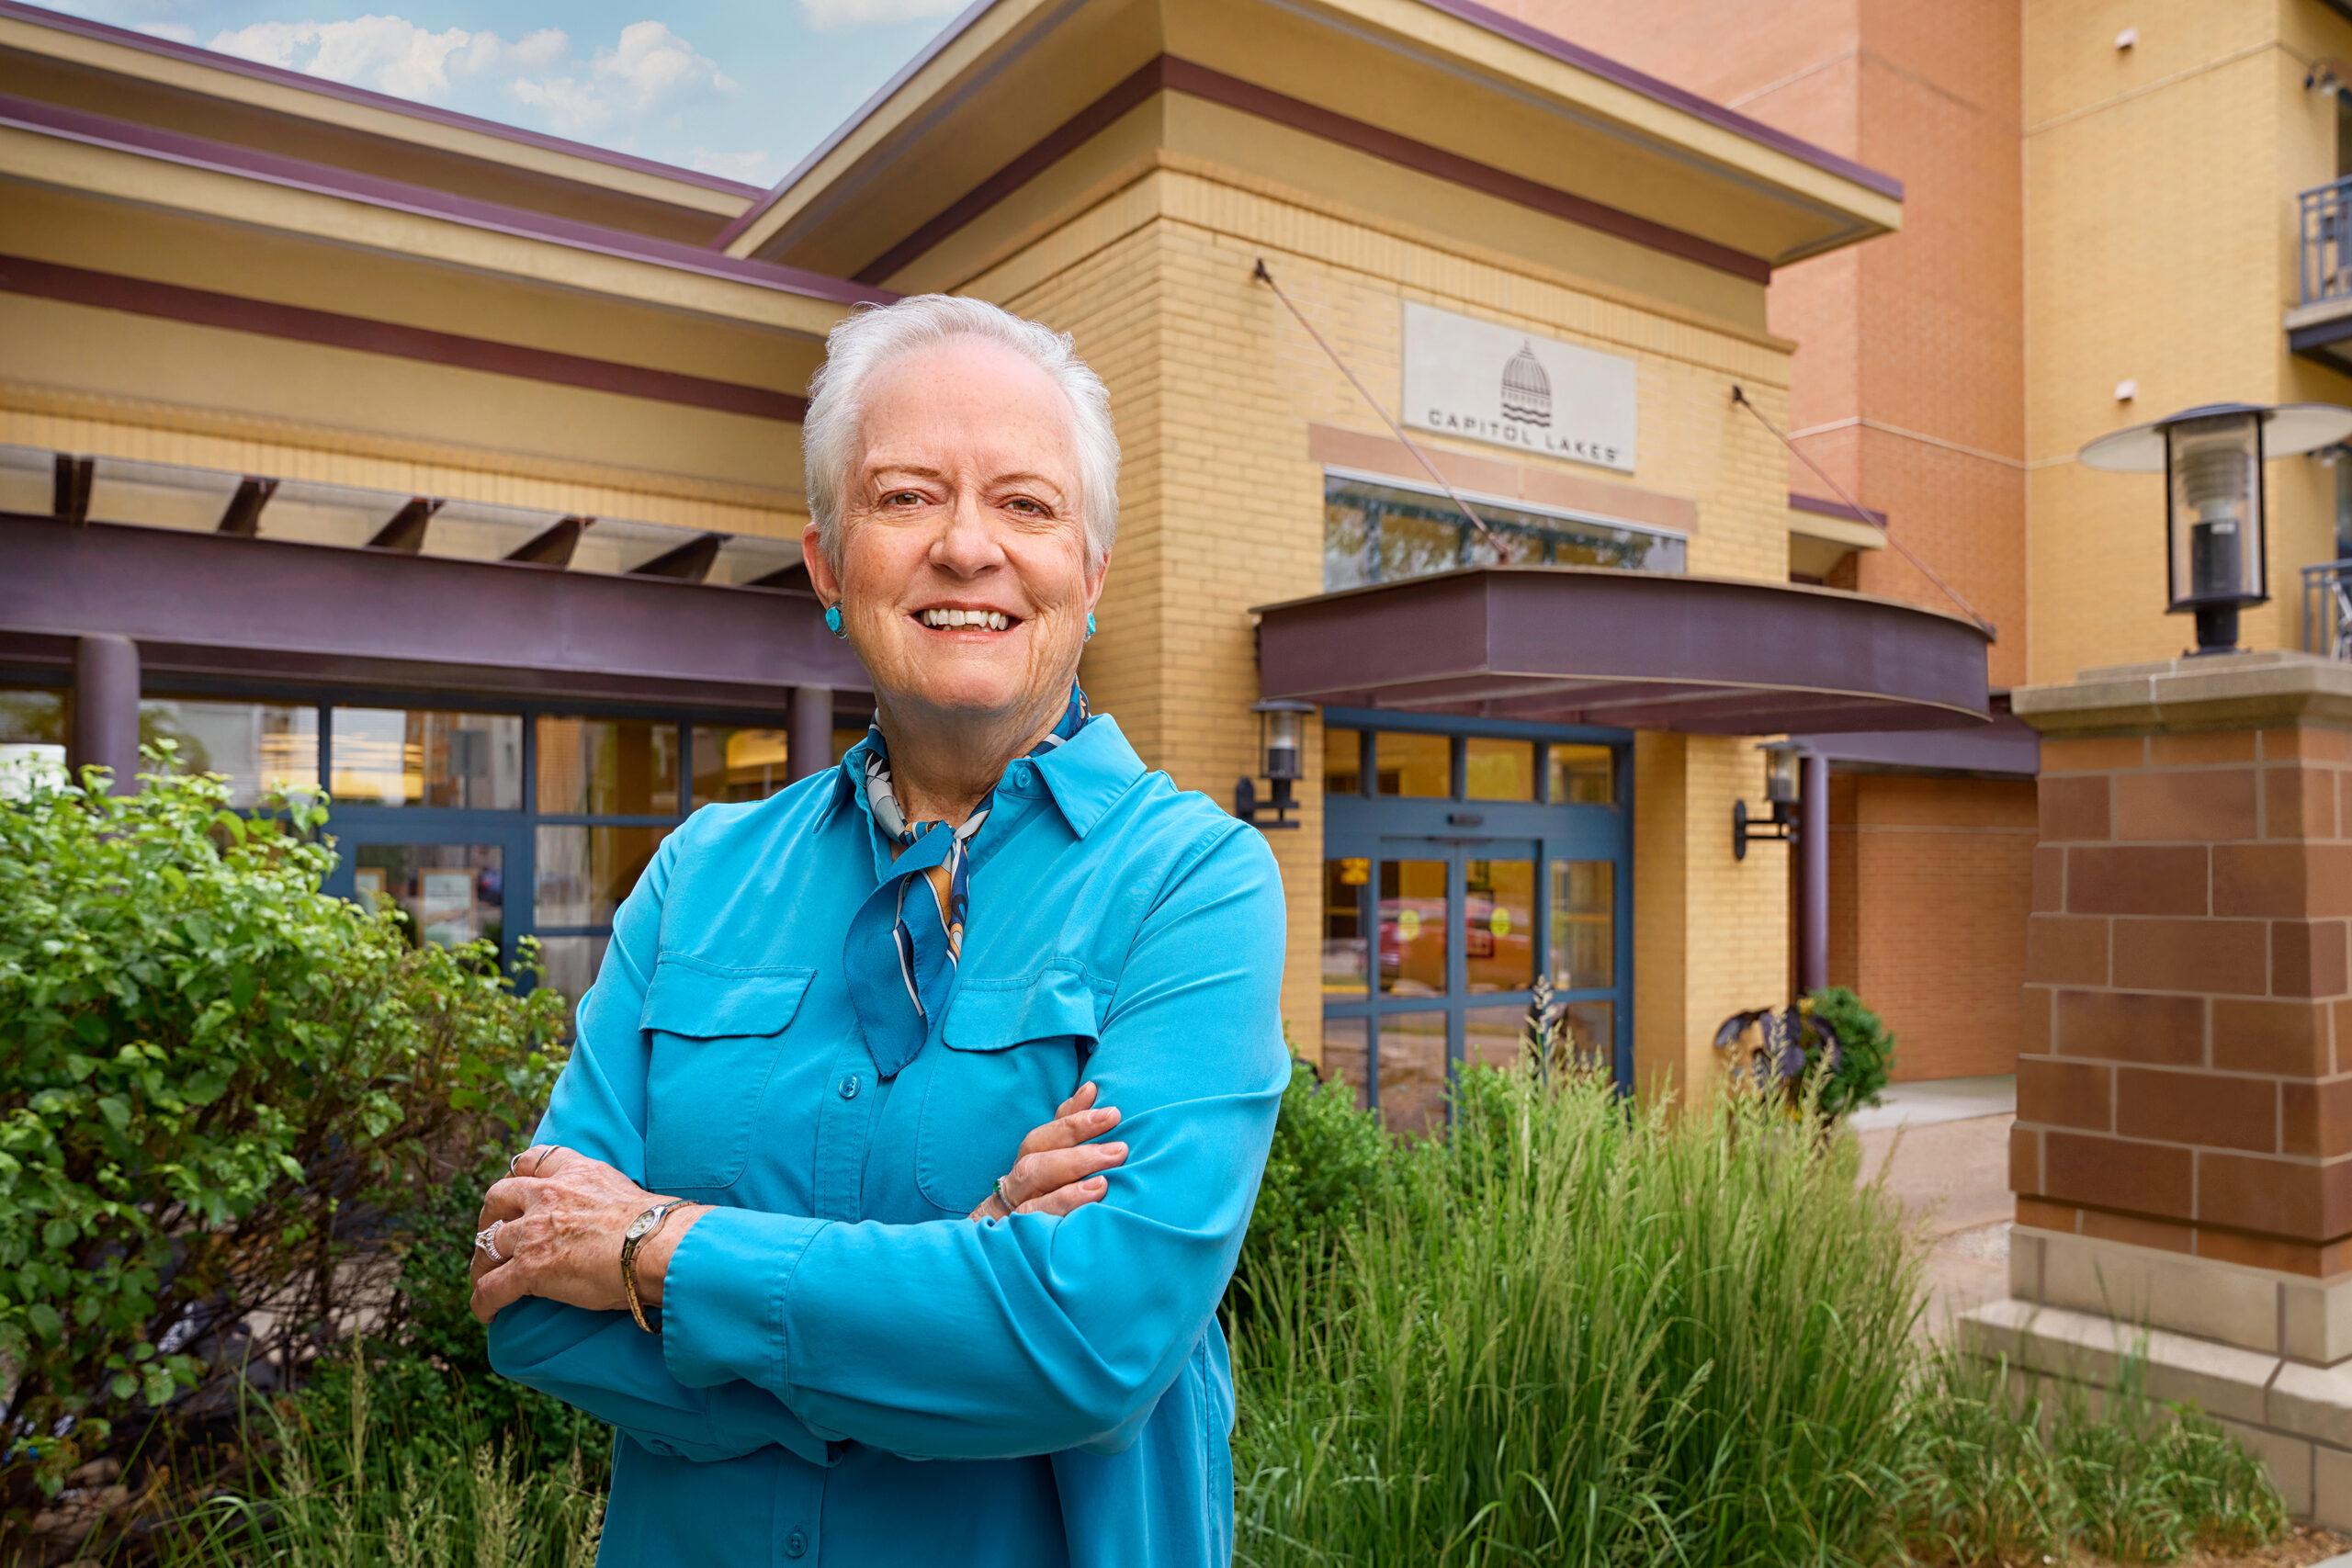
[1527, 391]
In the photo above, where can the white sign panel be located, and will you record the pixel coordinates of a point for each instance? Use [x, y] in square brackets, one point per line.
[1486, 382]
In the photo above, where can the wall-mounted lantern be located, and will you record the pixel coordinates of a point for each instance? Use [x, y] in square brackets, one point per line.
[1780, 790]
[2211, 458]
[1282, 743]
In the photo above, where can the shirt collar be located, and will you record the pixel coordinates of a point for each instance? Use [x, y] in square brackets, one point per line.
[1084, 775]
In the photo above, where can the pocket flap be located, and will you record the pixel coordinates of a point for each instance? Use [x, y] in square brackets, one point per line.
[700, 1004]
[990, 1015]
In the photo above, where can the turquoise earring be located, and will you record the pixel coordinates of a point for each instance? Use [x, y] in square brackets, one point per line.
[1090, 625]
[833, 620]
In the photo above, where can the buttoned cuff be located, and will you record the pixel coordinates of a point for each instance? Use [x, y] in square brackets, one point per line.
[723, 1300]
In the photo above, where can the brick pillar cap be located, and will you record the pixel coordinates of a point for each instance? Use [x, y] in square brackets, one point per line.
[2239, 690]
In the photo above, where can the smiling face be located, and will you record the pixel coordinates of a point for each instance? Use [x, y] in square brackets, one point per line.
[964, 582]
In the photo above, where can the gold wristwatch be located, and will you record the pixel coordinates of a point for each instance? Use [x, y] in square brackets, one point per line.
[640, 1228]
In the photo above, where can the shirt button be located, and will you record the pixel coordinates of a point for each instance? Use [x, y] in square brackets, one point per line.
[796, 1544]
[849, 1086]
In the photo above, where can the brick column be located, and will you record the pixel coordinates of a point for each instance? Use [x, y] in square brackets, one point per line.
[2182, 1156]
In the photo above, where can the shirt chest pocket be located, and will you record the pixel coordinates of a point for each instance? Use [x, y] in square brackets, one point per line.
[713, 1038]
[1014, 1050]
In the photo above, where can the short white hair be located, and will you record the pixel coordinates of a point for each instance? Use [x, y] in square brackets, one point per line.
[873, 336]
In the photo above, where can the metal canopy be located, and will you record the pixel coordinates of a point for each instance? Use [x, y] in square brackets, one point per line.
[1640, 650]
[213, 604]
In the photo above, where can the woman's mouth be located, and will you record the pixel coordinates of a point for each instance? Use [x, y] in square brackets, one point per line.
[945, 619]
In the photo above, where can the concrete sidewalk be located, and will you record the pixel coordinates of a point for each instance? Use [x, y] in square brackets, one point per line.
[1945, 1148]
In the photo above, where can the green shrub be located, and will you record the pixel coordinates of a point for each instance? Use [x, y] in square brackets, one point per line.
[222, 1086]
[1586, 1332]
[1865, 1052]
[1328, 1163]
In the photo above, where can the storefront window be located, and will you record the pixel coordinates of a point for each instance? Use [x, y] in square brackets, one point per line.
[1498, 770]
[1412, 928]
[1346, 1056]
[1418, 766]
[426, 758]
[573, 962]
[1346, 961]
[739, 763]
[1498, 925]
[584, 872]
[1382, 532]
[445, 894]
[260, 747]
[606, 767]
[1412, 1071]
[1580, 775]
[1584, 924]
[32, 739]
[1342, 762]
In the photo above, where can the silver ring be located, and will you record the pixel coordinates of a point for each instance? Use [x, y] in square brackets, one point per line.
[486, 1241]
[518, 1160]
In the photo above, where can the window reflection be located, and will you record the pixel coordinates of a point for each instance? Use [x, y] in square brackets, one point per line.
[445, 894]
[424, 757]
[1498, 770]
[1342, 762]
[1415, 765]
[1580, 775]
[32, 740]
[606, 767]
[1381, 533]
[1584, 925]
[1412, 928]
[260, 747]
[740, 763]
[1494, 1035]
[1412, 1071]
[1345, 1054]
[1346, 969]
[572, 963]
[582, 874]
[1498, 925]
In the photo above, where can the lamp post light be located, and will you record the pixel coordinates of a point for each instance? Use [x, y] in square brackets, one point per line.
[2212, 457]
[1780, 762]
[1282, 743]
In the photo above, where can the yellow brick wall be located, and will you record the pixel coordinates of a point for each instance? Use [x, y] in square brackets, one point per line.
[1222, 511]
[2160, 247]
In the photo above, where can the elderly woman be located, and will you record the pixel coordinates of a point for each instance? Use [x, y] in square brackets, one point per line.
[782, 1226]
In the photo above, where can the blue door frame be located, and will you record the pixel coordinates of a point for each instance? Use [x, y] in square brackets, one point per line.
[1459, 831]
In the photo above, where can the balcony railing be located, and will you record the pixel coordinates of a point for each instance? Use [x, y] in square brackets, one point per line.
[2327, 241]
[2327, 609]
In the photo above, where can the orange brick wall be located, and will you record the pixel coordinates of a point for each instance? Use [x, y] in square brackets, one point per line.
[1930, 882]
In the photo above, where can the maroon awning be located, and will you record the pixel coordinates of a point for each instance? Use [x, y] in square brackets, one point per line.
[1643, 651]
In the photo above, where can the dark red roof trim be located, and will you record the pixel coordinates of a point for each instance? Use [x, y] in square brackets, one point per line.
[331, 329]
[193, 152]
[1168, 73]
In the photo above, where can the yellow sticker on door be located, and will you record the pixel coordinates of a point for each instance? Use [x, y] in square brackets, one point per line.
[1499, 921]
[1409, 924]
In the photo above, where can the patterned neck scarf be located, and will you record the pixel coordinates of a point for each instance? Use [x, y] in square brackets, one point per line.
[914, 922]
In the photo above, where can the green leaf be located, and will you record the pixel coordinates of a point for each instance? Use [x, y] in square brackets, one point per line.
[58, 1235]
[117, 1110]
[44, 1320]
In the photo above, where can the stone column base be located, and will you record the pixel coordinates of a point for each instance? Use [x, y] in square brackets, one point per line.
[2267, 1354]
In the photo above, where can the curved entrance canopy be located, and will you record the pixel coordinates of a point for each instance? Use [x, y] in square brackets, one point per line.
[1640, 650]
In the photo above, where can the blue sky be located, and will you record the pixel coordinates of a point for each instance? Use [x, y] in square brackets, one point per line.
[735, 87]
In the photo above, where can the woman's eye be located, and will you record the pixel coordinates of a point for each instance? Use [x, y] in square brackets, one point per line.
[903, 498]
[1022, 503]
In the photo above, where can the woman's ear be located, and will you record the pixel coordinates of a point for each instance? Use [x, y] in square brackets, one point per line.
[821, 576]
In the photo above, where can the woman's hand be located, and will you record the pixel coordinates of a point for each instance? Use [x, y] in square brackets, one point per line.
[559, 1224]
[561, 1218]
[1057, 1169]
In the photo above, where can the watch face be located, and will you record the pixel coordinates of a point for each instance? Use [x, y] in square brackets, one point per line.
[640, 1225]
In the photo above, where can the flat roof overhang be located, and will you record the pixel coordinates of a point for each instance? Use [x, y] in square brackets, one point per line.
[1639, 650]
[218, 604]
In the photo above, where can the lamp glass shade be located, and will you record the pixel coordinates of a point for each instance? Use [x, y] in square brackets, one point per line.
[2214, 510]
[1781, 773]
[1284, 733]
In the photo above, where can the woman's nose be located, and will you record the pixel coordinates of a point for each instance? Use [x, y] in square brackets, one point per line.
[967, 544]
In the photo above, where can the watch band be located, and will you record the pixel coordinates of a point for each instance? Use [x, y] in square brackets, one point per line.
[641, 1231]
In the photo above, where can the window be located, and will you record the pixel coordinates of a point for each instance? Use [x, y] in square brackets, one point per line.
[32, 739]
[1379, 531]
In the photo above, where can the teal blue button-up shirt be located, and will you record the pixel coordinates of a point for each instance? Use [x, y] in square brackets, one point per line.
[848, 1371]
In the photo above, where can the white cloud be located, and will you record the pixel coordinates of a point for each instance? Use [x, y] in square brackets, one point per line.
[390, 54]
[828, 16]
[649, 69]
[753, 168]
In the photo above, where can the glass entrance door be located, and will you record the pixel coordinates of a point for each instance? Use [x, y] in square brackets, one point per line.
[1460, 867]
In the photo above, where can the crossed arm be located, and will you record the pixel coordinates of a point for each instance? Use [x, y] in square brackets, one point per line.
[1056, 1328]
